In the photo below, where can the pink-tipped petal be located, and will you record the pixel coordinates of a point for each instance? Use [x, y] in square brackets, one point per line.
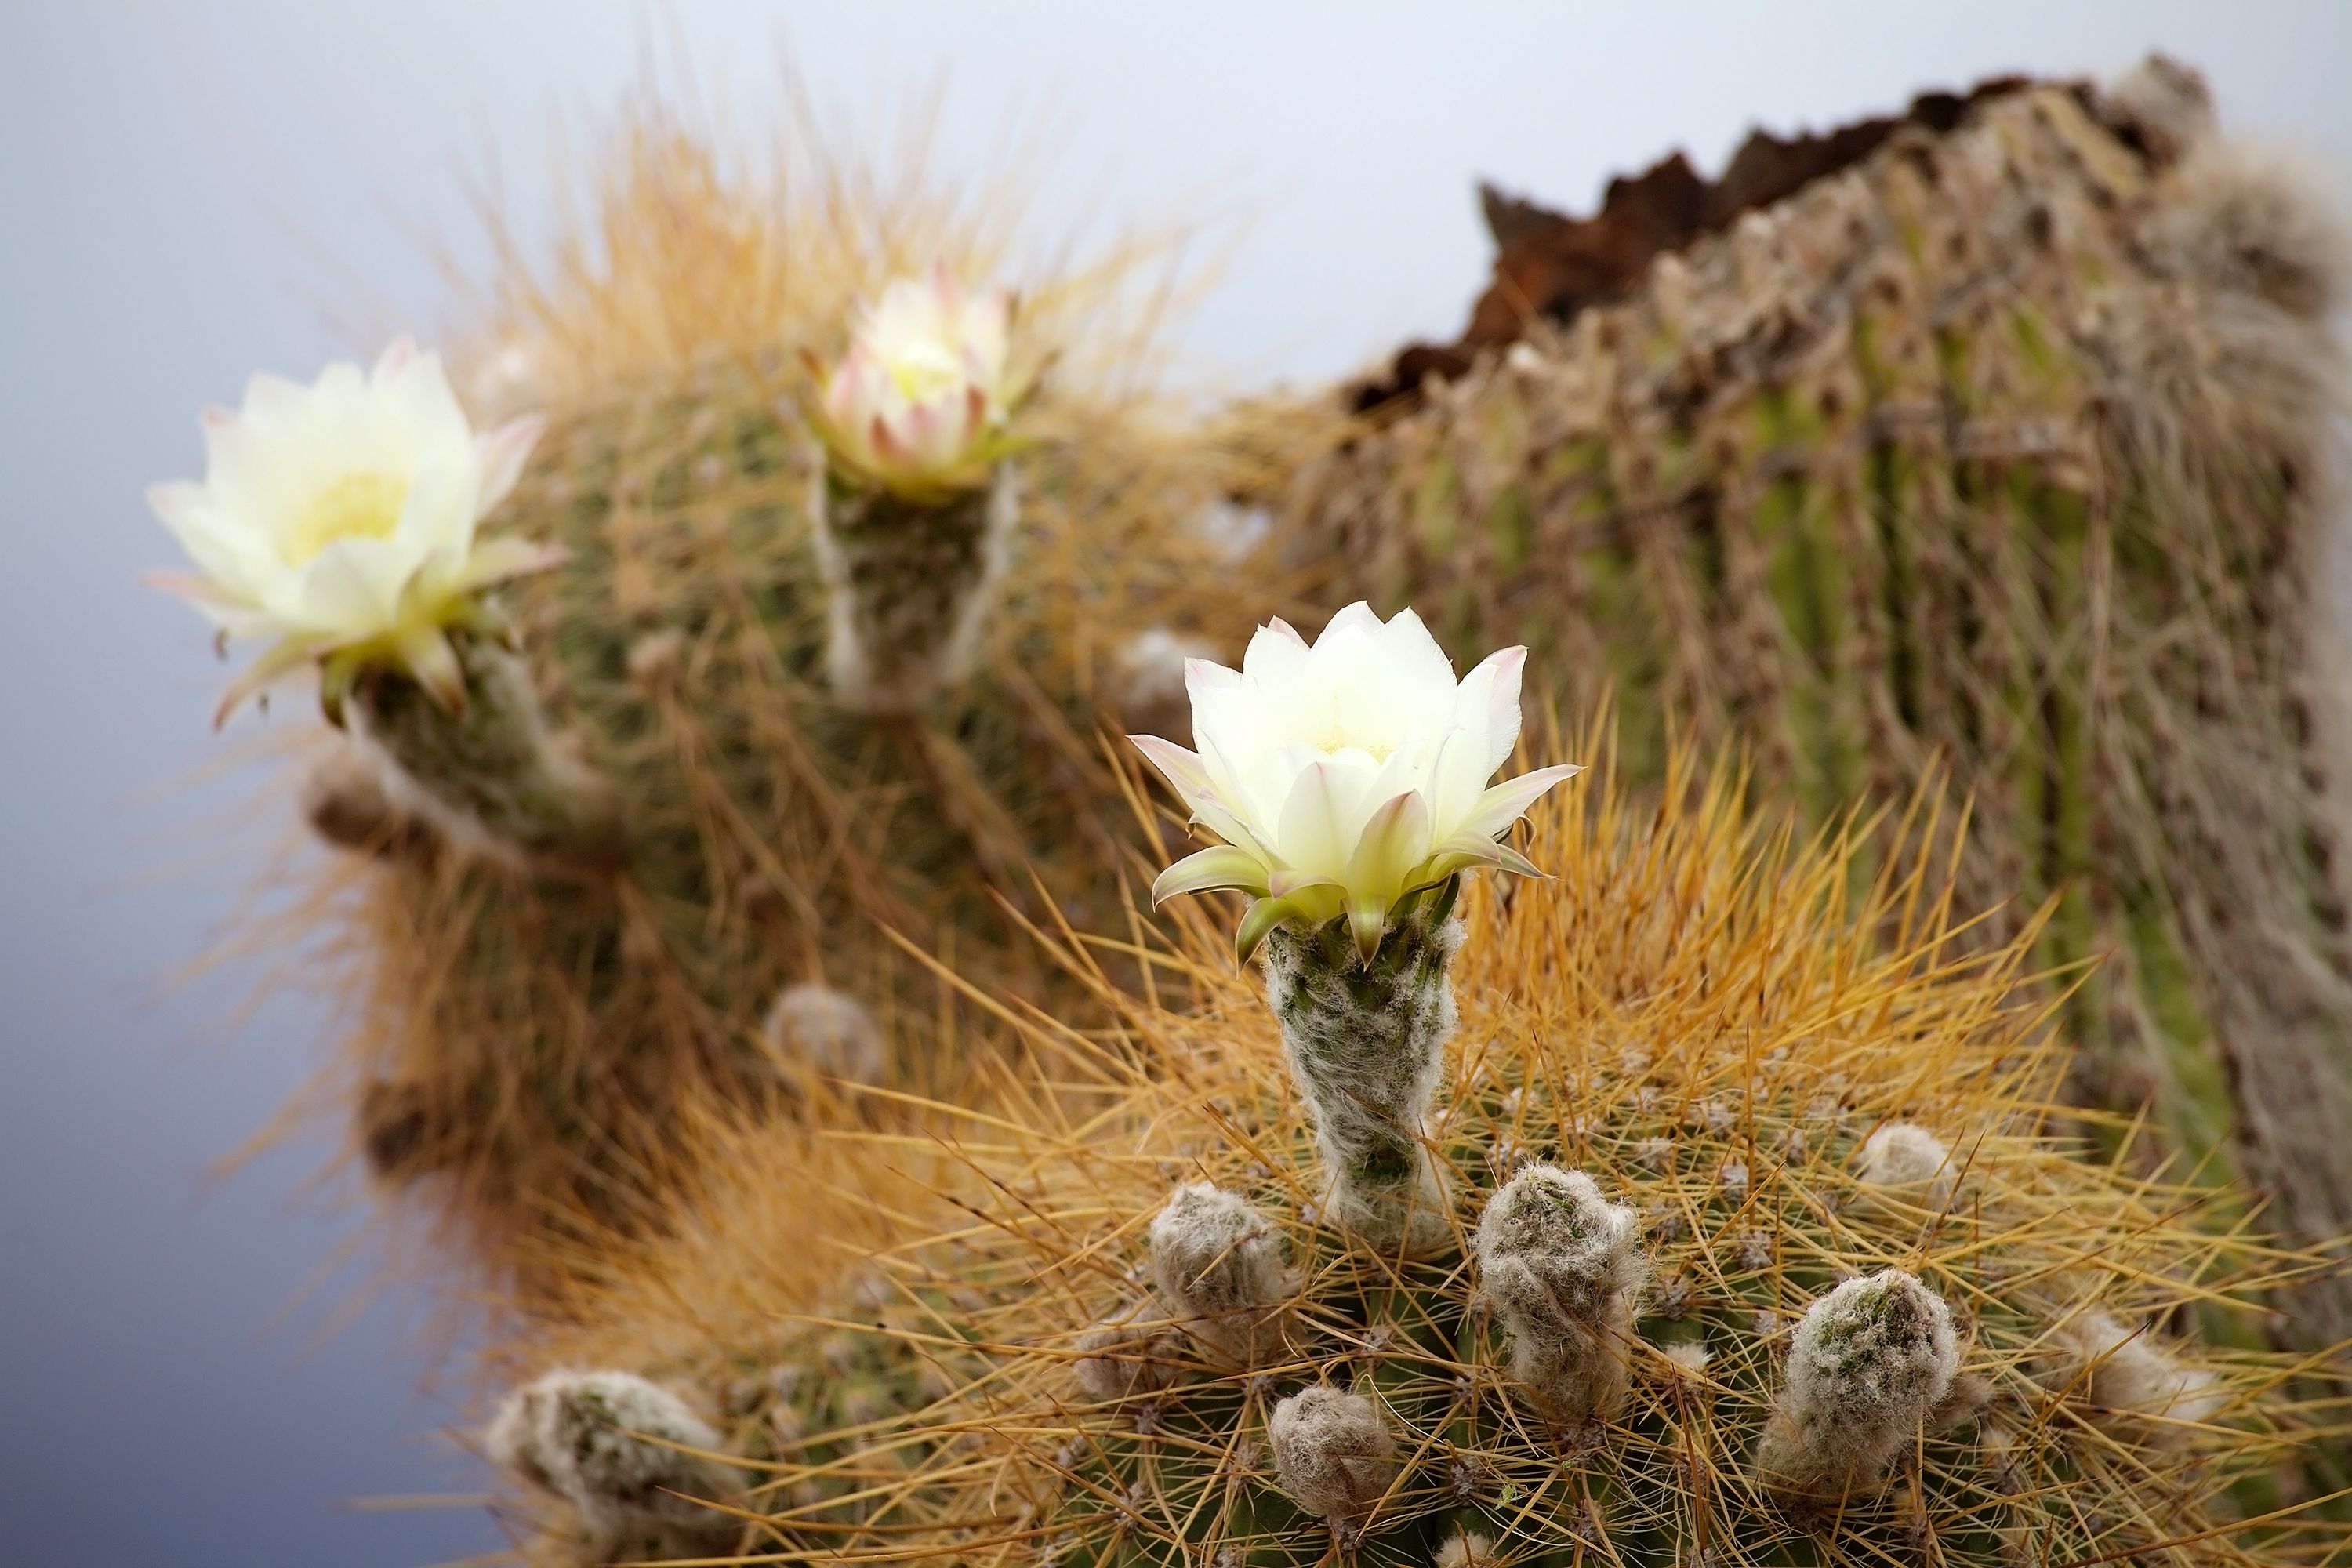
[1490, 697]
[395, 357]
[171, 500]
[1182, 769]
[273, 664]
[504, 452]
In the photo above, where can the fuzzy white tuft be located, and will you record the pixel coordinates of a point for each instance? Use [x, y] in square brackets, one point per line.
[1332, 1452]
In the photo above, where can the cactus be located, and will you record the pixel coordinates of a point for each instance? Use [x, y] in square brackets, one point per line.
[788, 744]
[2001, 442]
[1694, 978]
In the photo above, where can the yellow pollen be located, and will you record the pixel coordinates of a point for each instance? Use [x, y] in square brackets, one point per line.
[357, 506]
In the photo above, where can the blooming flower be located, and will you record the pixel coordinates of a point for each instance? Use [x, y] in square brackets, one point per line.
[1347, 774]
[919, 402]
[339, 520]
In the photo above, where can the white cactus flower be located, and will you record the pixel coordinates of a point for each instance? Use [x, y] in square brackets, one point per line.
[338, 519]
[1345, 775]
[919, 403]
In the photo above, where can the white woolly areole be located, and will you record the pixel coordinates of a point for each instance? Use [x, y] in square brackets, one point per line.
[1118, 1361]
[1905, 1155]
[1465, 1550]
[1332, 1452]
[829, 1031]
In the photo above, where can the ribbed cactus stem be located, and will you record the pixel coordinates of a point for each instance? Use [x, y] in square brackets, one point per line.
[494, 777]
[1869, 1366]
[1332, 1452]
[1562, 1268]
[1219, 1263]
[624, 1452]
[1367, 1043]
[911, 584]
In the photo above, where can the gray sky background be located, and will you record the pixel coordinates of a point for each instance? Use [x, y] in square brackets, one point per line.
[182, 187]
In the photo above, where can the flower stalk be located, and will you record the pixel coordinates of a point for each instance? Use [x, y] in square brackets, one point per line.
[489, 774]
[915, 503]
[910, 583]
[1366, 1044]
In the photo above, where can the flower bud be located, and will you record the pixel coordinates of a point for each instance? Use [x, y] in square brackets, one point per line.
[1220, 1264]
[1118, 1361]
[1332, 1452]
[617, 1447]
[1563, 1268]
[1869, 1365]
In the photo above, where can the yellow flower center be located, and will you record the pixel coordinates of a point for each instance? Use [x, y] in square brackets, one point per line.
[357, 506]
[922, 370]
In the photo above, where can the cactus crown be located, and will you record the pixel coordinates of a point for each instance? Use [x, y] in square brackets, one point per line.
[1719, 988]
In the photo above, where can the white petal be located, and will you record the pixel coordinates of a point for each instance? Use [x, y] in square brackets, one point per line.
[1181, 768]
[1508, 801]
[1322, 819]
[1488, 706]
[1276, 652]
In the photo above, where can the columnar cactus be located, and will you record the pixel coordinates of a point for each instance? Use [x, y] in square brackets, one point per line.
[1999, 437]
[795, 694]
[1694, 992]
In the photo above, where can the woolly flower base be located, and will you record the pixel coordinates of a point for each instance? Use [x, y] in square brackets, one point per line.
[1705, 1020]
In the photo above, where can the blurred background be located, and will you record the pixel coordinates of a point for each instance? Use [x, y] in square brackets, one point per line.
[216, 1369]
